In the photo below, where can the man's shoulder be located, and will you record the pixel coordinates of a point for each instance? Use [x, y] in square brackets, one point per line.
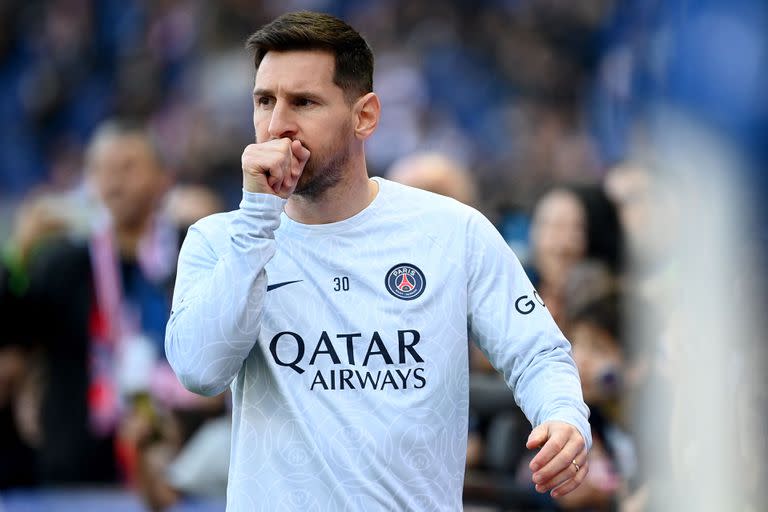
[209, 233]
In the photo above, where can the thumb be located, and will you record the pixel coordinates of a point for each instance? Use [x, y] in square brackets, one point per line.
[538, 436]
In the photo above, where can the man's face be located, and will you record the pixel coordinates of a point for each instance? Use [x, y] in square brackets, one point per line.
[127, 178]
[295, 97]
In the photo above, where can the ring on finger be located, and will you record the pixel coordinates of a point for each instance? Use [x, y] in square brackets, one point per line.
[576, 465]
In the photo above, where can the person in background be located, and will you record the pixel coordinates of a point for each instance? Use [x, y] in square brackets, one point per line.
[100, 306]
[435, 172]
[650, 217]
[36, 220]
[604, 358]
[182, 448]
[571, 223]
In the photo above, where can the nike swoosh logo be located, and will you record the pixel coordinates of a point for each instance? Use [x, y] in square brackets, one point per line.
[278, 285]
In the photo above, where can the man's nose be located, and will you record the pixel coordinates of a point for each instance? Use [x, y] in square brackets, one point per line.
[282, 124]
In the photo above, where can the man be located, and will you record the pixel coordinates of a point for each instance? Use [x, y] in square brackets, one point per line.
[337, 307]
[100, 301]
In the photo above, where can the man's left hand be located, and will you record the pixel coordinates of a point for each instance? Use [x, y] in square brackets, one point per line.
[561, 464]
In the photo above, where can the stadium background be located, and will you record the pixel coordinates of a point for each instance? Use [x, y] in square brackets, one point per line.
[526, 94]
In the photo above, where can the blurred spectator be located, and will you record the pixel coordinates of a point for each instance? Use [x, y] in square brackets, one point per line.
[650, 217]
[628, 185]
[103, 305]
[602, 355]
[37, 219]
[183, 452]
[571, 223]
[17, 467]
[436, 173]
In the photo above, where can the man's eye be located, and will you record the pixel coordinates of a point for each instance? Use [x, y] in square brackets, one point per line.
[304, 102]
[263, 101]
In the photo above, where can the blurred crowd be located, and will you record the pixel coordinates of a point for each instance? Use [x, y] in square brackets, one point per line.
[122, 122]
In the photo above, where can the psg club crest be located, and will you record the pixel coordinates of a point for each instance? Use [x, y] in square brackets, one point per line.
[405, 281]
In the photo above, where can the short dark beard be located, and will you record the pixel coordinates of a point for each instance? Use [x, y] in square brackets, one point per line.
[323, 176]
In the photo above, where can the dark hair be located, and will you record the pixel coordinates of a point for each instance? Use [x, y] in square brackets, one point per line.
[605, 237]
[128, 127]
[305, 30]
[618, 312]
[605, 312]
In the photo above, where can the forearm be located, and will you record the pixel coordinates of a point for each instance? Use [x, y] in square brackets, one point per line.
[539, 369]
[217, 309]
[548, 389]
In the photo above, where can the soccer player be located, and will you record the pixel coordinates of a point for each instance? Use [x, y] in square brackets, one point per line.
[337, 307]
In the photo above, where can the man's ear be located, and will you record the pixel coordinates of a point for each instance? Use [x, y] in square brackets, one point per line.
[367, 112]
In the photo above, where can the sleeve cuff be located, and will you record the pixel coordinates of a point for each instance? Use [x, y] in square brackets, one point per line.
[259, 201]
[259, 215]
[581, 424]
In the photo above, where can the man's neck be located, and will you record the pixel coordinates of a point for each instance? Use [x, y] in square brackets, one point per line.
[347, 198]
[128, 238]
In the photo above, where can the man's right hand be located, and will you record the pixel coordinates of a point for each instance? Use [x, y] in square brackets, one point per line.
[274, 167]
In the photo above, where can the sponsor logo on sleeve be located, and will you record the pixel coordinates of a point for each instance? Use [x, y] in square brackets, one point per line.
[525, 305]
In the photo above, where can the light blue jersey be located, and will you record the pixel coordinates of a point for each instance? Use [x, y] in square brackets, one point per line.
[345, 345]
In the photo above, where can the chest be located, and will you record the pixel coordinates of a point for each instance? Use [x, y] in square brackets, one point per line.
[363, 305]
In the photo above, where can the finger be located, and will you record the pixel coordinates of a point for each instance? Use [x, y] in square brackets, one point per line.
[273, 181]
[562, 461]
[573, 483]
[287, 162]
[299, 159]
[556, 441]
[300, 152]
[544, 484]
[278, 188]
[538, 436]
[275, 178]
[279, 165]
[264, 161]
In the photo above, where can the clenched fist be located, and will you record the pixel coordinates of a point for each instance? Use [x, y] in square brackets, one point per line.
[273, 167]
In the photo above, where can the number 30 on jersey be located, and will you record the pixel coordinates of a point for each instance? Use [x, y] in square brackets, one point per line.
[341, 284]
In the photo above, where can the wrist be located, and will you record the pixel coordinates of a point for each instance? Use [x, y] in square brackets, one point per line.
[261, 201]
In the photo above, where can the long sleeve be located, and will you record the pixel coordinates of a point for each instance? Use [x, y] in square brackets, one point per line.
[220, 287]
[515, 330]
